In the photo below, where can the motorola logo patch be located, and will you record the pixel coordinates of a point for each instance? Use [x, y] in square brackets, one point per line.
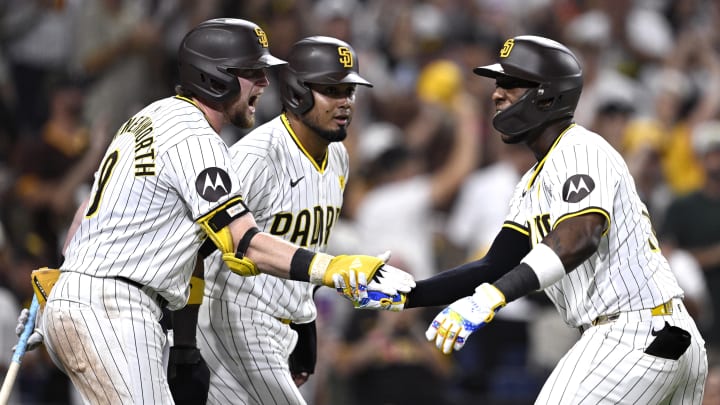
[577, 187]
[213, 183]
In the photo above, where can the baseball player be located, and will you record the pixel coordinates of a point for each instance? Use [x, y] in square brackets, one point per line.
[164, 185]
[293, 171]
[576, 229]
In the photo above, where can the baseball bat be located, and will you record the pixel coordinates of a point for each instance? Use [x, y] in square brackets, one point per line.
[19, 353]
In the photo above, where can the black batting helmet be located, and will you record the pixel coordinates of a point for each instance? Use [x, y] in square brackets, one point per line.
[551, 68]
[318, 60]
[211, 50]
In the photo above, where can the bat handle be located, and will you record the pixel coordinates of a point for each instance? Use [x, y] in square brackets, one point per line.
[19, 353]
[29, 327]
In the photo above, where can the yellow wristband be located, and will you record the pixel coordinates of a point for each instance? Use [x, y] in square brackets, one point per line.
[197, 289]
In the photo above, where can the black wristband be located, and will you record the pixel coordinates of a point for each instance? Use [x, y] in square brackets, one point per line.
[244, 243]
[518, 282]
[300, 265]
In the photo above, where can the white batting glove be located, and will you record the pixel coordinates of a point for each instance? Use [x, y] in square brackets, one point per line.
[357, 293]
[454, 324]
[36, 338]
[389, 279]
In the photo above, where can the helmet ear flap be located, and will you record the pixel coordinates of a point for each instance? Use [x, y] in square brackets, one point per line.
[296, 96]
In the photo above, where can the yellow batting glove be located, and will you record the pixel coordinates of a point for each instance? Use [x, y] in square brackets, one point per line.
[384, 278]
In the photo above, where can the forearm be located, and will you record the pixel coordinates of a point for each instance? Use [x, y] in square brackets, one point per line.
[248, 252]
[444, 288]
[271, 254]
[451, 285]
[572, 242]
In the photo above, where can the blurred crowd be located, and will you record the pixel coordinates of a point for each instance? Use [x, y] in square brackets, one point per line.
[429, 176]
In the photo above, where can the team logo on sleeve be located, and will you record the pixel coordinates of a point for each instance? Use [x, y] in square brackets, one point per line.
[577, 187]
[213, 183]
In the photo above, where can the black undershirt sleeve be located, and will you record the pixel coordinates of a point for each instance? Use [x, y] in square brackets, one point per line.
[506, 251]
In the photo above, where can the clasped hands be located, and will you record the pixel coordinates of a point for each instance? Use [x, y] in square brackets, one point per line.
[377, 294]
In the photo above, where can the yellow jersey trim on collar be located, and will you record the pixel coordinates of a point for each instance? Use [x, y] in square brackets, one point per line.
[320, 168]
[189, 100]
[542, 162]
[193, 102]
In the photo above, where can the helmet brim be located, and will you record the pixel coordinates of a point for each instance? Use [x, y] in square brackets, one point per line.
[269, 60]
[491, 71]
[355, 78]
[348, 77]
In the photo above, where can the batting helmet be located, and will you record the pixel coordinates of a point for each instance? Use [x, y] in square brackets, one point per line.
[317, 60]
[210, 51]
[551, 68]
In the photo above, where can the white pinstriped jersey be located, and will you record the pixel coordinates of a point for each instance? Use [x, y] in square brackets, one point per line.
[165, 168]
[290, 196]
[582, 173]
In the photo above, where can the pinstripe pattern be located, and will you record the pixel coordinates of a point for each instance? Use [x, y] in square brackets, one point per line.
[145, 226]
[608, 366]
[627, 273]
[248, 364]
[298, 200]
[140, 225]
[104, 334]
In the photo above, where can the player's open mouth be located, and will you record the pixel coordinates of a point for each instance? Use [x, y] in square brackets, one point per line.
[342, 119]
[252, 101]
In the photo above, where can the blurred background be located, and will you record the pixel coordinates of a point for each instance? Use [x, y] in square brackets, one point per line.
[430, 179]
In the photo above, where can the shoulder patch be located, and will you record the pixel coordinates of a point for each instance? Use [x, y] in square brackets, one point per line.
[577, 187]
[213, 183]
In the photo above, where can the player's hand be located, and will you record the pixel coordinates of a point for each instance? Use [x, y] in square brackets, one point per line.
[384, 278]
[451, 327]
[36, 338]
[304, 356]
[188, 376]
[356, 291]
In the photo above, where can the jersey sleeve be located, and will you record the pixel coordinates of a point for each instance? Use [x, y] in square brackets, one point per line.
[200, 169]
[580, 179]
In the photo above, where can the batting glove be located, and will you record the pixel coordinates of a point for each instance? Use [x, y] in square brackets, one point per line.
[188, 376]
[357, 292]
[451, 327]
[36, 338]
[383, 277]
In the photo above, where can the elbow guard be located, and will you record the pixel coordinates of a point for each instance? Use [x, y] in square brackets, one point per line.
[215, 224]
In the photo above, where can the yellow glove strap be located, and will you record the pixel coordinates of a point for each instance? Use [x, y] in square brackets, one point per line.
[43, 280]
[494, 297]
[215, 223]
[242, 266]
[197, 287]
[222, 238]
[324, 266]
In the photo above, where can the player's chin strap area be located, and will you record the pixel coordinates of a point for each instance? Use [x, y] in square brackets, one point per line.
[215, 224]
